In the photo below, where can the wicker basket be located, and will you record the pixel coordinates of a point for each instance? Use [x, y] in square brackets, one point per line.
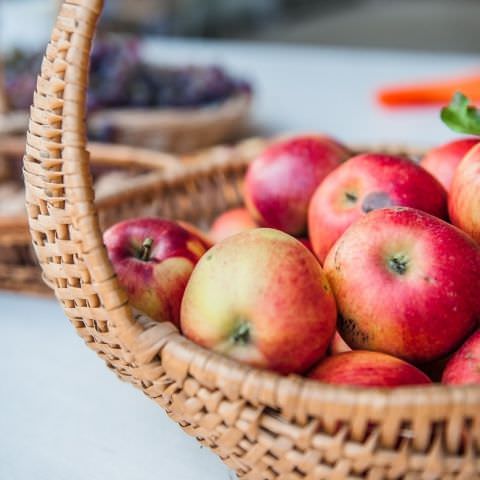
[262, 425]
[126, 167]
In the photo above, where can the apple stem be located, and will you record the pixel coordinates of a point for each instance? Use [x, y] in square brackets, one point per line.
[146, 249]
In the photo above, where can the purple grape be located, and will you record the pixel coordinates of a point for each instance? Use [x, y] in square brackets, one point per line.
[118, 78]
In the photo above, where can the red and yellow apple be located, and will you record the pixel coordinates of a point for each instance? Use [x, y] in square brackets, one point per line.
[406, 283]
[153, 259]
[364, 183]
[442, 161]
[231, 222]
[281, 181]
[464, 367]
[262, 298]
[464, 199]
[368, 369]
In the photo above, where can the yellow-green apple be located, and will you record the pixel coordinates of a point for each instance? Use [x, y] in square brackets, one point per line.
[364, 183]
[231, 222]
[153, 259]
[406, 284]
[464, 199]
[442, 161]
[262, 298]
[281, 181]
[368, 369]
[338, 345]
[464, 367]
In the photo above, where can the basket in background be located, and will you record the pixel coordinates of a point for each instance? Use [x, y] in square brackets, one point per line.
[178, 130]
[116, 168]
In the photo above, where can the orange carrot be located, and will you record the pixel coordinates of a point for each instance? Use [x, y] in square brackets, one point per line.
[430, 92]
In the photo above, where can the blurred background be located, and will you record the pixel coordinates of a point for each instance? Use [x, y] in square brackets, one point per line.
[432, 25]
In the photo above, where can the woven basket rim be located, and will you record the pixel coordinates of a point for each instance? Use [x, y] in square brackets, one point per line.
[149, 346]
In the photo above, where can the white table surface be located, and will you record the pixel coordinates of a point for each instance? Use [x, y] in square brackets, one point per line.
[63, 415]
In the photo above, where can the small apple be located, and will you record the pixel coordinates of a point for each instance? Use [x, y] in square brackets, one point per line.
[153, 259]
[442, 161]
[368, 369]
[262, 298]
[364, 183]
[464, 367]
[231, 222]
[338, 345]
[281, 181]
[406, 284]
[464, 200]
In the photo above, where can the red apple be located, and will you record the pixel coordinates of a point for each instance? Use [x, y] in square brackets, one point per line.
[153, 259]
[231, 222]
[261, 297]
[406, 284]
[281, 181]
[464, 367]
[442, 161]
[464, 200]
[368, 369]
[364, 183]
[338, 345]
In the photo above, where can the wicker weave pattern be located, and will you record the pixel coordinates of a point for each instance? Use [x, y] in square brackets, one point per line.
[262, 425]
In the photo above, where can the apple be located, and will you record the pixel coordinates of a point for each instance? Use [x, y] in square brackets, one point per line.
[262, 298]
[280, 182]
[442, 161]
[464, 200]
[368, 369]
[406, 284]
[231, 222]
[338, 345]
[364, 183]
[153, 259]
[464, 367]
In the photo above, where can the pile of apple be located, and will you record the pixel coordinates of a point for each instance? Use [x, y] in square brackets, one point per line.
[341, 268]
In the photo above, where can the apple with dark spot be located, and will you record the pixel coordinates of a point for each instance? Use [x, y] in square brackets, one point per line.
[406, 284]
[153, 259]
[368, 369]
[262, 298]
[442, 161]
[280, 182]
[364, 183]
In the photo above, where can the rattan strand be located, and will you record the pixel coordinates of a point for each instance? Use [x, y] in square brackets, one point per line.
[262, 425]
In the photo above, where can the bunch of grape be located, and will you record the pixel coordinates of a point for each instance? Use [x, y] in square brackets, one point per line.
[119, 79]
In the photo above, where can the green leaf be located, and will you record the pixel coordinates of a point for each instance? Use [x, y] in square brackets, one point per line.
[460, 116]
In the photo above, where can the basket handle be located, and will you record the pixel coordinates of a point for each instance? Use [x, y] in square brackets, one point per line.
[60, 199]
